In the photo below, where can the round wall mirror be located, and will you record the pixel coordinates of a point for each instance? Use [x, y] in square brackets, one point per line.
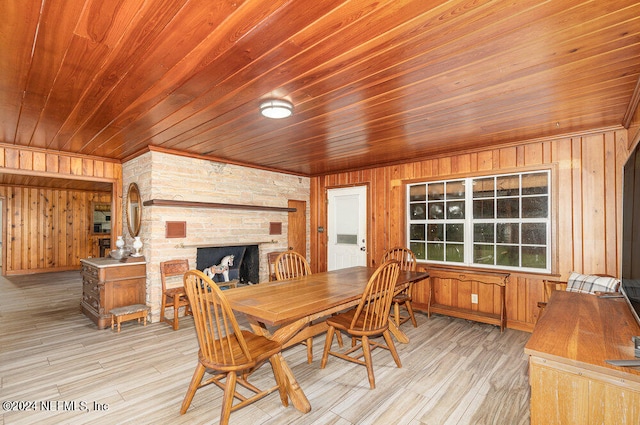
[134, 210]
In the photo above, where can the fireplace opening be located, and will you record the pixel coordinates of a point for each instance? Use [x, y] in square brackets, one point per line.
[245, 267]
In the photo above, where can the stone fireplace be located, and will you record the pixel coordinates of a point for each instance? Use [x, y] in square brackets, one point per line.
[161, 175]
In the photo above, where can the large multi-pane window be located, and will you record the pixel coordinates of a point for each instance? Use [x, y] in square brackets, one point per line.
[500, 221]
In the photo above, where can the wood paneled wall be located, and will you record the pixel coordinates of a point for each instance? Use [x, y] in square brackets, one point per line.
[587, 172]
[40, 162]
[49, 228]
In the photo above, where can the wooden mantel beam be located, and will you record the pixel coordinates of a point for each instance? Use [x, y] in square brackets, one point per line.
[195, 204]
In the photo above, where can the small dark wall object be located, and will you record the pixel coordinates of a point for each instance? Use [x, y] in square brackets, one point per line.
[176, 229]
[275, 228]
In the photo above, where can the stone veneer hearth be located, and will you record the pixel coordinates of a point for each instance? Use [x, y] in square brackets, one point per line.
[160, 175]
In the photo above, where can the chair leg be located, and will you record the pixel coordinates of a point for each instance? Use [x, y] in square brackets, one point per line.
[327, 346]
[366, 351]
[392, 347]
[176, 307]
[339, 337]
[310, 350]
[187, 309]
[396, 313]
[227, 401]
[164, 305]
[193, 386]
[411, 315]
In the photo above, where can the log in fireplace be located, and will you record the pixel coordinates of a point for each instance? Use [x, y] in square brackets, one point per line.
[246, 264]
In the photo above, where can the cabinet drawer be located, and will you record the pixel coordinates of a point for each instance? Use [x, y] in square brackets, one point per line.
[89, 272]
[90, 288]
[125, 272]
[91, 301]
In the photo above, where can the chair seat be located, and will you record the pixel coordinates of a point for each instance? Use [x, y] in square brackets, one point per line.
[343, 321]
[259, 346]
[176, 292]
[401, 298]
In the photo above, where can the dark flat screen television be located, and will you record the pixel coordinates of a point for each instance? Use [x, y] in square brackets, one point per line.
[630, 275]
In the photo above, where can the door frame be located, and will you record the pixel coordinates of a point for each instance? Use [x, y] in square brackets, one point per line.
[366, 187]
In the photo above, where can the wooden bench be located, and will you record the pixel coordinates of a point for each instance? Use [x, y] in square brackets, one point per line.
[129, 312]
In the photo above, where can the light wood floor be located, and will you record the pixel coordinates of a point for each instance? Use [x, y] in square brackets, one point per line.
[454, 371]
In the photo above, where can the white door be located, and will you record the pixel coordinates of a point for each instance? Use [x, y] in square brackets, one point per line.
[347, 227]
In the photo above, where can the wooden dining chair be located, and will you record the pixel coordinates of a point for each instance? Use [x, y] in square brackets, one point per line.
[407, 260]
[370, 319]
[228, 352]
[271, 262]
[176, 296]
[290, 264]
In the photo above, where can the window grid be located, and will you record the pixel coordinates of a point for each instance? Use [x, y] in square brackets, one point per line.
[511, 230]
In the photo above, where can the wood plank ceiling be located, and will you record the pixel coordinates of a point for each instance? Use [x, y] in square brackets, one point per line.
[373, 82]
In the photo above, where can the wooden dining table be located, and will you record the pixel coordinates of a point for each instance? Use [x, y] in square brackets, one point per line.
[285, 310]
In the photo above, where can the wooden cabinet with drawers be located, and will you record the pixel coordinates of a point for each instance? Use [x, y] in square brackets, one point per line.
[571, 381]
[109, 283]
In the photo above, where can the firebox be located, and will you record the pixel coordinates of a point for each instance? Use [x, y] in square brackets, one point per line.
[246, 262]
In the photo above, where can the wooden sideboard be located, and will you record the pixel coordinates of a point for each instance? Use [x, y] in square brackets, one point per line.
[570, 381]
[109, 283]
[494, 309]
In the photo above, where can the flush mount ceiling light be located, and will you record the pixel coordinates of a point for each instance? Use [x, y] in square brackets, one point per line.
[276, 108]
